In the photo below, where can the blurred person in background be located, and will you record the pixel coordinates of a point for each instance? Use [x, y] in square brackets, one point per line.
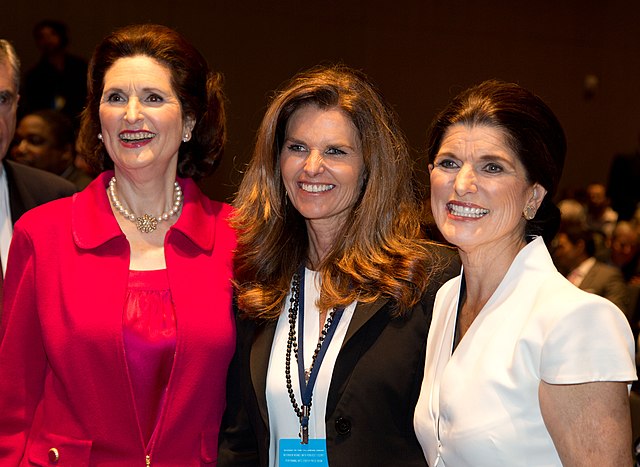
[573, 254]
[45, 139]
[59, 80]
[21, 187]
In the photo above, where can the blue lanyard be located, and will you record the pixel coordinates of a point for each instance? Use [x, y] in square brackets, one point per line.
[306, 388]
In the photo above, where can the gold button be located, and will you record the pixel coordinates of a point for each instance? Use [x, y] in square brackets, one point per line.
[54, 455]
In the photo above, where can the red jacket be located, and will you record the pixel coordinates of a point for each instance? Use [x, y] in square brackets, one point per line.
[63, 377]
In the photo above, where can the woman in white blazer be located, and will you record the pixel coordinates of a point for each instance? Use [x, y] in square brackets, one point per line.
[522, 368]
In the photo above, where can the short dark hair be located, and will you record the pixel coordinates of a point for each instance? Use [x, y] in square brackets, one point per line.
[533, 133]
[61, 127]
[60, 28]
[576, 234]
[198, 89]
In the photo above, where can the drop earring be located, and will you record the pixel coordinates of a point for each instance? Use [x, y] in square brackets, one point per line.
[100, 136]
[529, 212]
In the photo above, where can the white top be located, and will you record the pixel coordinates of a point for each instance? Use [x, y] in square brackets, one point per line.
[6, 225]
[283, 422]
[480, 405]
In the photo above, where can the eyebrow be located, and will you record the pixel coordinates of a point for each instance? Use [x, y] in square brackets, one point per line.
[145, 89]
[493, 156]
[506, 161]
[291, 139]
[483, 157]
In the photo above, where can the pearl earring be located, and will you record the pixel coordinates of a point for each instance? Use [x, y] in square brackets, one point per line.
[186, 137]
[100, 136]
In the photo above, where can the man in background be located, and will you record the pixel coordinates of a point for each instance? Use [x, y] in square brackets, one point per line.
[624, 186]
[59, 80]
[21, 187]
[574, 256]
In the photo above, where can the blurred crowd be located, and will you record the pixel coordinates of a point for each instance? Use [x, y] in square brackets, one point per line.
[52, 95]
[598, 248]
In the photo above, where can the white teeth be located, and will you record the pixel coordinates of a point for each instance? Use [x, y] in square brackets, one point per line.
[466, 211]
[316, 188]
[140, 135]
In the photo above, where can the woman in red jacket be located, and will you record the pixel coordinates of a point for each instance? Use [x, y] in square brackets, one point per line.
[117, 328]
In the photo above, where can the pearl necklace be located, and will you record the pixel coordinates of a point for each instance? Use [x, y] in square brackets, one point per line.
[292, 344]
[146, 223]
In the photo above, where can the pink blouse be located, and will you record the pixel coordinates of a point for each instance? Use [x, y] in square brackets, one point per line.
[149, 324]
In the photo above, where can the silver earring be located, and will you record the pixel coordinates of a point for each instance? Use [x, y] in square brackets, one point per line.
[529, 212]
[186, 137]
[100, 136]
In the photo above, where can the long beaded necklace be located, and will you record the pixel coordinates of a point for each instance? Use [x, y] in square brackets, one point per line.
[146, 223]
[303, 412]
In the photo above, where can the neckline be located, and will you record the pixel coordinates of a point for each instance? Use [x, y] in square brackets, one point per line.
[148, 279]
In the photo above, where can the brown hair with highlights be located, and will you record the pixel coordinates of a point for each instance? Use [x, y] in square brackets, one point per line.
[379, 254]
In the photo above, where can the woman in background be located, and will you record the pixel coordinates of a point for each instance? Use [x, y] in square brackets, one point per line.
[118, 328]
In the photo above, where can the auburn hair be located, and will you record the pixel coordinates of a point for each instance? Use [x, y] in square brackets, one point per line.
[379, 252]
[198, 89]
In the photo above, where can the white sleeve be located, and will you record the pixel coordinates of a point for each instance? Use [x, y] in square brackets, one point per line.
[589, 341]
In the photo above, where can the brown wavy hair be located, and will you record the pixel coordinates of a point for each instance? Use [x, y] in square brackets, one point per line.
[380, 253]
[199, 91]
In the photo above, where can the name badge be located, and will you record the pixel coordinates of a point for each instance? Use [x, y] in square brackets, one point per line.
[292, 453]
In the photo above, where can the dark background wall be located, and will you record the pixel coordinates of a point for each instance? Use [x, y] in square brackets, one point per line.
[420, 53]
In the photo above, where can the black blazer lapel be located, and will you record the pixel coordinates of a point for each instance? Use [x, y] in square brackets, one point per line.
[20, 199]
[352, 349]
[362, 314]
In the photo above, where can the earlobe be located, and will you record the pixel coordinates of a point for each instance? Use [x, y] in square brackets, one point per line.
[532, 206]
[538, 194]
[189, 123]
[430, 167]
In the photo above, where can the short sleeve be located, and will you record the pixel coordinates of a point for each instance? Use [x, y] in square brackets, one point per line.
[589, 342]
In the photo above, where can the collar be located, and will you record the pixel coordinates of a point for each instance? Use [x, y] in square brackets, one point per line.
[533, 258]
[579, 273]
[93, 223]
[66, 173]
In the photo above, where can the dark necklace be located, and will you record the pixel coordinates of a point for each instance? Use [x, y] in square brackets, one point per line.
[292, 343]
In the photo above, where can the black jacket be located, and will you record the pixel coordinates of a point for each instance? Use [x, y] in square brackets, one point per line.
[374, 388]
[29, 187]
